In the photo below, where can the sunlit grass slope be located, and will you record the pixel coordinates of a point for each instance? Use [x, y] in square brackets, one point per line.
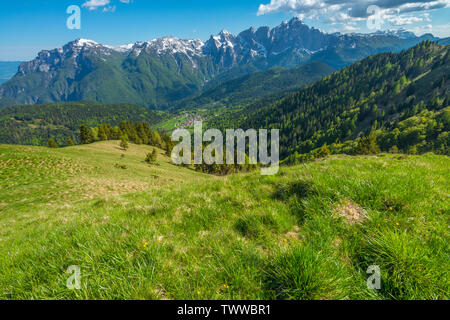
[140, 231]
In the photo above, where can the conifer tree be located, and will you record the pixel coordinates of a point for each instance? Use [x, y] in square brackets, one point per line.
[152, 157]
[124, 143]
[70, 142]
[86, 136]
[102, 133]
[52, 143]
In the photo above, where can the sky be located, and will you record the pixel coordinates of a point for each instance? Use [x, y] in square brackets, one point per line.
[27, 27]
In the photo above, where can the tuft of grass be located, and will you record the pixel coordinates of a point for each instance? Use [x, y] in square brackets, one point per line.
[409, 269]
[303, 273]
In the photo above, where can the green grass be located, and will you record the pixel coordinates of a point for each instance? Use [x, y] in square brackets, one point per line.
[163, 232]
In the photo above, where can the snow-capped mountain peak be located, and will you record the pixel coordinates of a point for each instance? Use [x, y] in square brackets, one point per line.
[84, 43]
[173, 45]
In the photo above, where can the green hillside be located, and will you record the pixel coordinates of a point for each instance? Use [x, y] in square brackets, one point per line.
[401, 99]
[35, 124]
[244, 90]
[164, 232]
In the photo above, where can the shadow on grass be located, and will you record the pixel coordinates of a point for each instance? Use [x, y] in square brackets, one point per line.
[294, 194]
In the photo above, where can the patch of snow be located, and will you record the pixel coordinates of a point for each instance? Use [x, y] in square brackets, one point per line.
[122, 48]
[85, 42]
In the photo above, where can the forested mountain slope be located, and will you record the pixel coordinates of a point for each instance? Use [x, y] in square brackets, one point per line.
[245, 90]
[399, 98]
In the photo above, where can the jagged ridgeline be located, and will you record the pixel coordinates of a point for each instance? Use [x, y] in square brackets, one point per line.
[164, 71]
[35, 124]
[401, 99]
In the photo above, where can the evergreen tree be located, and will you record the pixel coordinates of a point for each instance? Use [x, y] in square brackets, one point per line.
[52, 143]
[124, 143]
[70, 142]
[86, 136]
[102, 133]
[152, 157]
[367, 145]
[394, 149]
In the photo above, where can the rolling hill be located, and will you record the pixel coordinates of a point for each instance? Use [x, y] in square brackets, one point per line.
[165, 232]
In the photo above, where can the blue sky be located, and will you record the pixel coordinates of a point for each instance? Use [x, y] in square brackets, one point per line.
[30, 26]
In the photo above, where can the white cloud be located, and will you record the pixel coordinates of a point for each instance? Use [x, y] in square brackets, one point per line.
[109, 9]
[442, 31]
[94, 4]
[403, 20]
[349, 12]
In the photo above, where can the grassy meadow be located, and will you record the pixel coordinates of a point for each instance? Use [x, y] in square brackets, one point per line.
[140, 231]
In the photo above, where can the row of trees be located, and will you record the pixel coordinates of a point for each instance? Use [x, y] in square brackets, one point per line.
[224, 168]
[137, 133]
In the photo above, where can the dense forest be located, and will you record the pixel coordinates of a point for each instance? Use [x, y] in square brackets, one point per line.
[391, 102]
[245, 90]
[35, 124]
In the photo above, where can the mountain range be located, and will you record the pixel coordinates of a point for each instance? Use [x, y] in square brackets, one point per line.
[163, 72]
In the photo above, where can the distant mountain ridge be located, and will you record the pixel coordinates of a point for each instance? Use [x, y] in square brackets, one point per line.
[163, 71]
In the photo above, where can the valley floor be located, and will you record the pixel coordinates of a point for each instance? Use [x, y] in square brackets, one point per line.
[140, 231]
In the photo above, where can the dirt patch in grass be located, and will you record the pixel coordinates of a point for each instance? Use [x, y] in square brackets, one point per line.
[99, 187]
[351, 212]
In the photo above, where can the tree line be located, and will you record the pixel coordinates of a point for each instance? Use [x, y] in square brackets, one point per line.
[137, 133]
